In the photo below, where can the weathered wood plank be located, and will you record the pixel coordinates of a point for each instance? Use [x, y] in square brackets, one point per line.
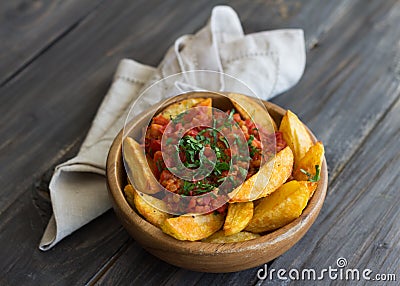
[155, 270]
[346, 71]
[28, 28]
[79, 257]
[22, 226]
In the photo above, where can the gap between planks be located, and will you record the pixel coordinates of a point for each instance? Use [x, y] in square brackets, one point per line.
[364, 140]
[104, 268]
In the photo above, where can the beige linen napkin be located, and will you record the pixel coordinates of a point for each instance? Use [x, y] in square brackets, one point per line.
[268, 62]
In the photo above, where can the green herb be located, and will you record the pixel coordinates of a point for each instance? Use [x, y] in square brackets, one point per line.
[202, 132]
[220, 167]
[168, 141]
[223, 139]
[179, 117]
[187, 187]
[197, 187]
[231, 114]
[243, 172]
[191, 146]
[251, 139]
[228, 122]
[312, 178]
[189, 165]
[159, 166]
[253, 150]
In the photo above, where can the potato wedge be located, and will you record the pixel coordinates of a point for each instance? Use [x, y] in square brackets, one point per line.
[129, 192]
[206, 102]
[237, 218]
[250, 109]
[296, 135]
[174, 109]
[281, 207]
[313, 157]
[311, 187]
[270, 177]
[152, 214]
[220, 237]
[193, 227]
[140, 173]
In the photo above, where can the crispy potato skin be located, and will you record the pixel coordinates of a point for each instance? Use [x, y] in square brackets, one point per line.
[311, 187]
[238, 216]
[281, 207]
[150, 213]
[220, 237]
[174, 109]
[270, 177]
[206, 102]
[129, 192]
[134, 157]
[249, 109]
[313, 157]
[296, 135]
[193, 227]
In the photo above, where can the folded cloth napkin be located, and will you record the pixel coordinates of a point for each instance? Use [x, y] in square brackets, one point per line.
[268, 62]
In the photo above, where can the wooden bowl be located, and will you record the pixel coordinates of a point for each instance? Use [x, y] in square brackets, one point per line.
[201, 256]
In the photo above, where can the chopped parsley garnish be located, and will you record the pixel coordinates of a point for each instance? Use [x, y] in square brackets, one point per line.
[312, 178]
[197, 187]
[253, 149]
[251, 139]
[179, 117]
[159, 166]
[168, 141]
[220, 167]
[193, 150]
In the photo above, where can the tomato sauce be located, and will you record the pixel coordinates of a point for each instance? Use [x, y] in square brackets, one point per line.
[203, 139]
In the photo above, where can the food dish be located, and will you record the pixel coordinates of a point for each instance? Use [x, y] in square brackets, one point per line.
[197, 128]
[182, 227]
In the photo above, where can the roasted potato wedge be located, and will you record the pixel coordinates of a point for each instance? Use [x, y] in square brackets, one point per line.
[296, 135]
[250, 109]
[281, 207]
[152, 214]
[206, 102]
[220, 237]
[270, 177]
[311, 187]
[237, 218]
[143, 178]
[174, 109]
[193, 227]
[313, 157]
[129, 192]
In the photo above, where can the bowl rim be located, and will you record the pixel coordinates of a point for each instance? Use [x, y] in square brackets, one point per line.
[296, 227]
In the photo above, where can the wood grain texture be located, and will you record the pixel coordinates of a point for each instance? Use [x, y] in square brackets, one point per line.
[29, 28]
[22, 226]
[350, 82]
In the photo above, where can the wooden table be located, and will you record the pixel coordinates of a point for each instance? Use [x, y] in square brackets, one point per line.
[57, 60]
